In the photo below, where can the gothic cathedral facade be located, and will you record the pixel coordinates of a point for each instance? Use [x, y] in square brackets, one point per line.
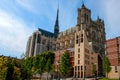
[42, 40]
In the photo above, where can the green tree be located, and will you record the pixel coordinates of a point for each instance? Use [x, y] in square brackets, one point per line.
[17, 73]
[65, 65]
[49, 55]
[3, 66]
[93, 69]
[106, 66]
[41, 65]
[48, 67]
[26, 69]
[43, 62]
[50, 60]
[10, 70]
[36, 63]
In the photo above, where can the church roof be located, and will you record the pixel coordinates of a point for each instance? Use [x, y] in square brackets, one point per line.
[46, 33]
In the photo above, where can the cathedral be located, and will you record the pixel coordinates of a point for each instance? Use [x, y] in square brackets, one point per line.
[86, 37]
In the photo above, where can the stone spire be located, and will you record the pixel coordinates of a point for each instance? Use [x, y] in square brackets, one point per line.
[56, 27]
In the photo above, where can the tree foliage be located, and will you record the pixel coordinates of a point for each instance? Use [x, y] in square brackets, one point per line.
[26, 68]
[43, 62]
[16, 69]
[3, 66]
[106, 65]
[9, 68]
[93, 69]
[65, 65]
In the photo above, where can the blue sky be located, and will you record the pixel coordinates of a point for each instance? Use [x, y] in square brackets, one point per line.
[19, 18]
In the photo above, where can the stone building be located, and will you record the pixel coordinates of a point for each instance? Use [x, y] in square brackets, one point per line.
[113, 53]
[94, 31]
[84, 57]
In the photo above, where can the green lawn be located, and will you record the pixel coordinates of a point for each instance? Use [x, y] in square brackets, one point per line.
[107, 79]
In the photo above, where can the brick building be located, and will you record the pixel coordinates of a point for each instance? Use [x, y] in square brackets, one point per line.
[113, 52]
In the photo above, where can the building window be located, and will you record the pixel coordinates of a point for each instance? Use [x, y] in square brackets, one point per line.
[77, 41]
[77, 37]
[91, 57]
[81, 40]
[81, 67]
[75, 67]
[116, 69]
[78, 49]
[81, 35]
[78, 55]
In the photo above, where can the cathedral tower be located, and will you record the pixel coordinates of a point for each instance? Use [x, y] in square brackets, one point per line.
[95, 32]
[84, 15]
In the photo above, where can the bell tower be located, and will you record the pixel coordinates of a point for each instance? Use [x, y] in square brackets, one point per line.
[84, 15]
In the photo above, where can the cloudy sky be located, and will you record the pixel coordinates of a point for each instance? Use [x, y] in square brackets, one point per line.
[19, 18]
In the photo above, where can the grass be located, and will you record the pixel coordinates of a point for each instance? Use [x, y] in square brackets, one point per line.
[107, 79]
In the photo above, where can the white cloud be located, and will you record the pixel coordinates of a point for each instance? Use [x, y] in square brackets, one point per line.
[13, 33]
[112, 16]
